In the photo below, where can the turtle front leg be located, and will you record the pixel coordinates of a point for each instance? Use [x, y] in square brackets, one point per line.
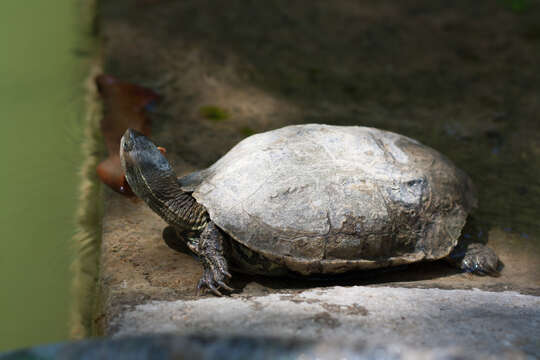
[475, 258]
[211, 254]
[208, 248]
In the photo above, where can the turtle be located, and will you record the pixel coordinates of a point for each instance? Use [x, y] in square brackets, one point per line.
[311, 199]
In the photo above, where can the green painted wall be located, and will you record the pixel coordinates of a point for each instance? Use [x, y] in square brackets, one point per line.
[42, 67]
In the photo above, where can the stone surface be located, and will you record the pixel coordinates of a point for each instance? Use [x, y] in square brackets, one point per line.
[461, 77]
[474, 321]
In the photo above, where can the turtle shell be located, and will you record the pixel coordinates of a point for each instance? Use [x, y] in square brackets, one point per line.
[328, 199]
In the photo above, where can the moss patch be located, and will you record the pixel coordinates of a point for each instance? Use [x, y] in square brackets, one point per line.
[247, 131]
[516, 6]
[214, 113]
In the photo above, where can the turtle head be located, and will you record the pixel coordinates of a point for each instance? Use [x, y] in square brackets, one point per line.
[146, 168]
[152, 179]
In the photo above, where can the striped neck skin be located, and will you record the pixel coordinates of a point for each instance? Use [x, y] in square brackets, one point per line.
[178, 208]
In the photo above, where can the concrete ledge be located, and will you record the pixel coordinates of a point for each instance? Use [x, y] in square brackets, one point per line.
[474, 321]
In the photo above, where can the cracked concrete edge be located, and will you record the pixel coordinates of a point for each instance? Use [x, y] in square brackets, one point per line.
[476, 321]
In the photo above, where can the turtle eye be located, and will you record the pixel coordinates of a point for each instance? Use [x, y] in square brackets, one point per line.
[127, 145]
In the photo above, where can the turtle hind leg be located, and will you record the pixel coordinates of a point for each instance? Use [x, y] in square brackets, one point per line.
[211, 253]
[475, 258]
[176, 241]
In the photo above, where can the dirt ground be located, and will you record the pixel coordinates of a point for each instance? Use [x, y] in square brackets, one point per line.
[461, 77]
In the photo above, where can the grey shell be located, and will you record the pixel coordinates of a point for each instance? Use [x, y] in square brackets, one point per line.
[327, 199]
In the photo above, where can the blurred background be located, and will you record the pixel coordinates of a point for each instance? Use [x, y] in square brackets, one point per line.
[43, 63]
[462, 77]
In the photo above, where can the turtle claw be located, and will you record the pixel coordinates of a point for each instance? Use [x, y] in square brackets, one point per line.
[214, 281]
[199, 287]
[225, 286]
[214, 290]
[202, 285]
